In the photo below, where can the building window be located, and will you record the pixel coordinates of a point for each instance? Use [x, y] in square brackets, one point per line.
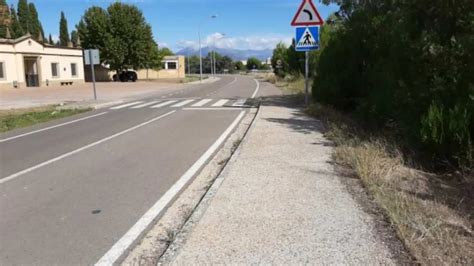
[74, 69]
[55, 70]
[172, 65]
[2, 70]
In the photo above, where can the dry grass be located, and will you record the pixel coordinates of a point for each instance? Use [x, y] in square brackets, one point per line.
[432, 213]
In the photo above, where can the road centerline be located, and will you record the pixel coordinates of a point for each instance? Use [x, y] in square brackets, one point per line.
[58, 158]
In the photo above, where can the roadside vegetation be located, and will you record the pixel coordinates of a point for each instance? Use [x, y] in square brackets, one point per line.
[19, 118]
[393, 84]
[432, 212]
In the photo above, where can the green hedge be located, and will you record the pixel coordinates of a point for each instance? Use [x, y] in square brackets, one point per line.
[408, 65]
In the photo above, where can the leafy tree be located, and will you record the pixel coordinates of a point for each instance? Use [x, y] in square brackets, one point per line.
[239, 66]
[165, 51]
[24, 16]
[50, 40]
[94, 30]
[74, 38]
[4, 18]
[253, 63]
[36, 29]
[63, 31]
[280, 55]
[123, 36]
[402, 62]
[15, 27]
[296, 60]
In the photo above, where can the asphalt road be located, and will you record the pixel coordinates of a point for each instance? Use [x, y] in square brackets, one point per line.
[78, 190]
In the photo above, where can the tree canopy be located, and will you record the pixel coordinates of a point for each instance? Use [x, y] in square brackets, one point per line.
[403, 64]
[36, 29]
[122, 35]
[63, 31]
[253, 63]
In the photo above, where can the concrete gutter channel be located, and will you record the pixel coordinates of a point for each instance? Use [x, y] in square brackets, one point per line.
[156, 241]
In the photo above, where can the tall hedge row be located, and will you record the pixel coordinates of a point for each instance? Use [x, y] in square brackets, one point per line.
[407, 65]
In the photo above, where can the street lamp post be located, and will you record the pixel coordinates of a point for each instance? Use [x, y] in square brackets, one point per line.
[200, 47]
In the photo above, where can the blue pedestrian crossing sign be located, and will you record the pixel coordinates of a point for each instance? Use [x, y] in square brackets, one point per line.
[307, 39]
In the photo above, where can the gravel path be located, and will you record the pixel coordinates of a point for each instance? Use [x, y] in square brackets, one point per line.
[280, 202]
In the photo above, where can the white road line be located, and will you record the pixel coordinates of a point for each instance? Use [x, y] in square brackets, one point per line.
[51, 127]
[144, 105]
[213, 109]
[202, 103]
[183, 103]
[125, 105]
[235, 80]
[240, 103]
[8, 178]
[220, 103]
[119, 248]
[256, 90]
[163, 104]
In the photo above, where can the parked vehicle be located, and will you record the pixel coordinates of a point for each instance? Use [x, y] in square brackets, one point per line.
[125, 76]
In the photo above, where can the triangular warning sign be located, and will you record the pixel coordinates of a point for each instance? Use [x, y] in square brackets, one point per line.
[307, 15]
[307, 39]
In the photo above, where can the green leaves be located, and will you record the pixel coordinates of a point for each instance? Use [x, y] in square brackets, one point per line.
[406, 61]
[63, 31]
[122, 35]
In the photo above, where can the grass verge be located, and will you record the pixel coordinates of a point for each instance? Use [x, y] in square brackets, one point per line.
[19, 118]
[431, 212]
[189, 79]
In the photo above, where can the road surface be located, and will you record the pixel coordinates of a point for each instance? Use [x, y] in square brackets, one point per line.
[79, 190]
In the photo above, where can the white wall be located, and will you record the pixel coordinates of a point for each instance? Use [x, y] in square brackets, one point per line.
[13, 56]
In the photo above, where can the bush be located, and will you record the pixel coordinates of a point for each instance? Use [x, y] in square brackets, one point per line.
[407, 66]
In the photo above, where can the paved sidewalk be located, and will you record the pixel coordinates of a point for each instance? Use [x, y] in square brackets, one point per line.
[280, 202]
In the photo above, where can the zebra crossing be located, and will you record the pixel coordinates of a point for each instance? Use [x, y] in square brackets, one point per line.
[185, 103]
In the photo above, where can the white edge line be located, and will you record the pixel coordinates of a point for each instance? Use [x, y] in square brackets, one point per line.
[18, 174]
[121, 246]
[51, 127]
[256, 90]
[212, 109]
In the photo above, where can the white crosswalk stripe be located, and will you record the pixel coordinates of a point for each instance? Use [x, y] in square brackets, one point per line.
[144, 105]
[240, 103]
[220, 103]
[202, 103]
[183, 103]
[163, 104]
[125, 105]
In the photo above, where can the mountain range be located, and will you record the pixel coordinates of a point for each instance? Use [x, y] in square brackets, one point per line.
[235, 54]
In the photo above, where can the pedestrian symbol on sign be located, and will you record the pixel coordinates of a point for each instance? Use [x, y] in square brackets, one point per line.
[307, 38]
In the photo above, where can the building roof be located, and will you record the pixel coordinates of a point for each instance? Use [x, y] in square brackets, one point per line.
[171, 57]
[28, 36]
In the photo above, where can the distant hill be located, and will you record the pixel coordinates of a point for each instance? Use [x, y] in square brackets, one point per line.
[235, 54]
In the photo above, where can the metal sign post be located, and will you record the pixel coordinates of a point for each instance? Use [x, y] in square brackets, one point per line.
[93, 77]
[91, 57]
[306, 81]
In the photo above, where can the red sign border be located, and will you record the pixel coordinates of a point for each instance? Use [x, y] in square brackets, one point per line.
[294, 23]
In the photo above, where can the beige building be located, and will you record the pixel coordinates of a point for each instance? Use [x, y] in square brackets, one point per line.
[173, 68]
[25, 62]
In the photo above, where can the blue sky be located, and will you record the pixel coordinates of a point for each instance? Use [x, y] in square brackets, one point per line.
[247, 24]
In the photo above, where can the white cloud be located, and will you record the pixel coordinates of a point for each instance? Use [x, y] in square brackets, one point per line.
[261, 42]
